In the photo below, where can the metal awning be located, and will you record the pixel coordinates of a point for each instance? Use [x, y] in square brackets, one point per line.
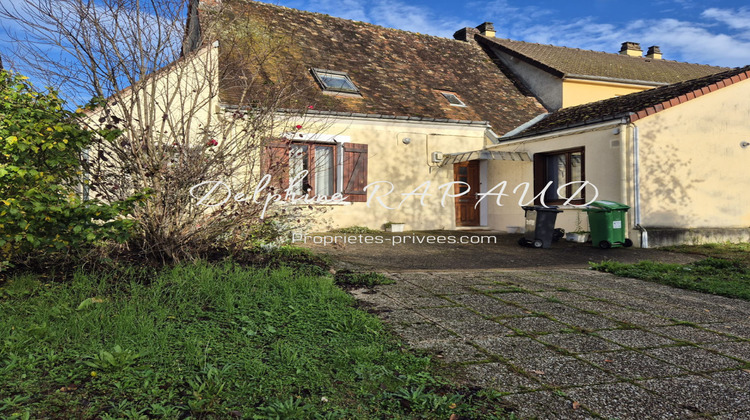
[452, 158]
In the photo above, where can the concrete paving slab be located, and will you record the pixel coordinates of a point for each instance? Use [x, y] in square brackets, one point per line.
[453, 313]
[553, 309]
[579, 343]
[401, 316]
[739, 350]
[693, 358]
[739, 379]
[519, 298]
[699, 394]
[414, 333]
[416, 302]
[534, 325]
[477, 329]
[599, 306]
[691, 334]
[515, 348]
[547, 405]
[636, 338]
[488, 306]
[743, 415]
[564, 371]
[686, 315]
[452, 350]
[633, 365]
[627, 401]
[735, 329]
[638, 319]
[588, 322]
[498, 376]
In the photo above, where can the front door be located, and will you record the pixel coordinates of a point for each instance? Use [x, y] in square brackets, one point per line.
[467, 211]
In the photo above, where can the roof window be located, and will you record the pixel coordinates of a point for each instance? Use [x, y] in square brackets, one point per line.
[452, 99]
[334, 81]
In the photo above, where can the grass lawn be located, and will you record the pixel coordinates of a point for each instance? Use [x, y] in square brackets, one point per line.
[725, 277]
[209, 341]
[736, 252]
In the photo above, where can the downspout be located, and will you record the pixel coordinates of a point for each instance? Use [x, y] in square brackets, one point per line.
[623, 161]
[637, 189]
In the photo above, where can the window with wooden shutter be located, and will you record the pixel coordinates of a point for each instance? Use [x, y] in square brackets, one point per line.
[355, 172]
[276, 163]
[287, 161]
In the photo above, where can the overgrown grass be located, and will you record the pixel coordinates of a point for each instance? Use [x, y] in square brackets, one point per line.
[711, 275]
[353, 279]
[736, 252]
[356, 230]
[209, 341]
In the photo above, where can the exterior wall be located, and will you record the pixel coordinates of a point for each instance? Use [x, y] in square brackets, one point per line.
[579, 91]
[406, 166]
[602, 159]
[546, 87]
[694, 173]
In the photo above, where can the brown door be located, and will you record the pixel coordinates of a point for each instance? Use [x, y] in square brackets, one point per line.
[467, 211]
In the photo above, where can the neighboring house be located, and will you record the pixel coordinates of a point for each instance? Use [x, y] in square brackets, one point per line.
[678, 155]
[561, 77]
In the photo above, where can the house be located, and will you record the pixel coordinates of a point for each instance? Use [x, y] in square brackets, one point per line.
[455, 133]
[561, 77]
[383, 107]
[676, 154]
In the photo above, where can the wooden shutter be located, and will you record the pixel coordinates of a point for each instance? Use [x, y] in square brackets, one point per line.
[355, 172]
[276, 163]
[540, 175]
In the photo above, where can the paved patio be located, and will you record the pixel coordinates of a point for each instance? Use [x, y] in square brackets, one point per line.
[576, 344]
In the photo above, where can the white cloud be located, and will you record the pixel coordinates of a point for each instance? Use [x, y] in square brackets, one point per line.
[397, 14]
[735, 19]
[720, 38]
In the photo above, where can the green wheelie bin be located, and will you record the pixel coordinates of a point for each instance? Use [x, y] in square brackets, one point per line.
[608, 225]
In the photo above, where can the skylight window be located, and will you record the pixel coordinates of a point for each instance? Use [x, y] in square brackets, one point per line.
[452, 99]
[334, 81]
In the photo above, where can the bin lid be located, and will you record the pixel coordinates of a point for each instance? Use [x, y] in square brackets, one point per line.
[542, 208]
[606, 205]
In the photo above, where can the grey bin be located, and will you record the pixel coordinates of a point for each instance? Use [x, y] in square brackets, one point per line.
[540, 226]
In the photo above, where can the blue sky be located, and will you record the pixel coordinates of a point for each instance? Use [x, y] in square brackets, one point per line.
[713, 32]
[709, 31]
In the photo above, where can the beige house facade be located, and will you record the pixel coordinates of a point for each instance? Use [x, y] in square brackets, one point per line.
[460, 133]
[676, 155]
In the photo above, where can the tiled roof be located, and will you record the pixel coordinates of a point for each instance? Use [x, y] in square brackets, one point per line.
[636, 105]
[399, 73]
[572, 62]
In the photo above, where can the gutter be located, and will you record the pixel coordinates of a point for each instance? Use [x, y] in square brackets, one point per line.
[525, 125]
[614, 80]
[341, 114]
[581, 128]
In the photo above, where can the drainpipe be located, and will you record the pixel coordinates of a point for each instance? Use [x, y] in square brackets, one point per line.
[623, 161]
[637, 190]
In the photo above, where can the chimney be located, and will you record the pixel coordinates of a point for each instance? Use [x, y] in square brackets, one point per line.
[466, 34]
[487, 29]
[654, 52]
[632, 49]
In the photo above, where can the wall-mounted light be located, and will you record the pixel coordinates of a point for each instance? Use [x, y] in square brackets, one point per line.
[744, 144]
[406, 140]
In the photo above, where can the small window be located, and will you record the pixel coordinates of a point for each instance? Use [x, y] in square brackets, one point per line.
[452, 99]
[334, 81]
[558, 169]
